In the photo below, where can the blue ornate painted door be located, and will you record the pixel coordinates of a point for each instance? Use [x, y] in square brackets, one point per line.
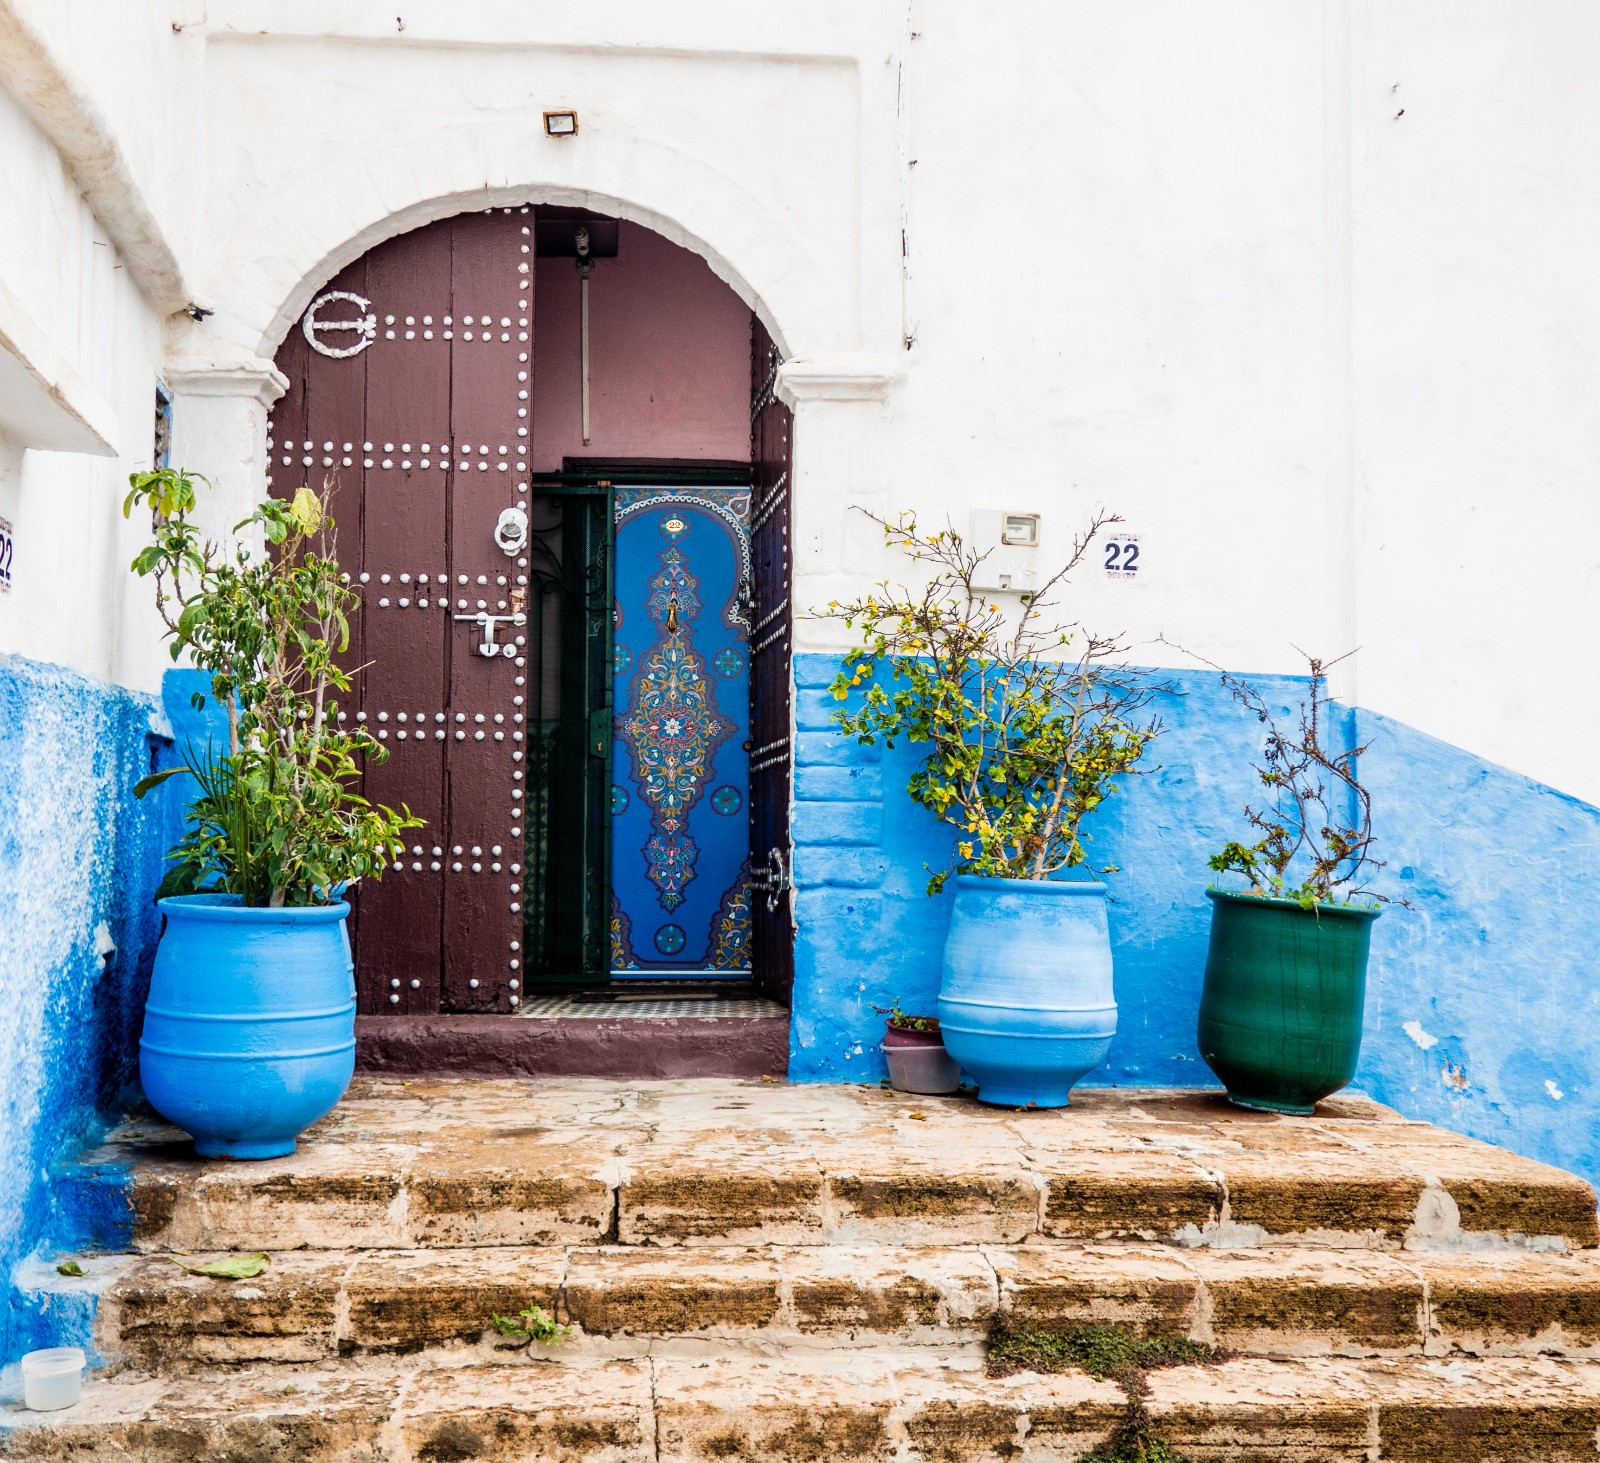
[680, 839]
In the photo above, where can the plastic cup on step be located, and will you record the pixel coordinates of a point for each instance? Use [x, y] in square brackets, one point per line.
[52, 1378]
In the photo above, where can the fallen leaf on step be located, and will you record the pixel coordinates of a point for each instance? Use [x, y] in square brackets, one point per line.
[229, 1267]
[920, 1117]
[69, 1267]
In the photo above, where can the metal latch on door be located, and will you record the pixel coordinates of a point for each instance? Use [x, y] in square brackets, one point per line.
[511, 534]
[487, 623]
[773, 878]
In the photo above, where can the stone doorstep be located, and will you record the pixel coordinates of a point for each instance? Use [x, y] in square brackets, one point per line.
[846, 1408]
[407, 1165]
[621, 1042]
[316, 1305]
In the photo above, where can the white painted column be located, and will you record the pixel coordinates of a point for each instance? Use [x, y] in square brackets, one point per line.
[219, 429]
[839, 461]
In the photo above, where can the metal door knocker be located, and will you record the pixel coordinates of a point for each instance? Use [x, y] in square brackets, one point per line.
[511, 532]
[365, 326]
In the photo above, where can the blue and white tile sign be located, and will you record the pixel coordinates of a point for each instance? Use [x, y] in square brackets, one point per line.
[5, 553]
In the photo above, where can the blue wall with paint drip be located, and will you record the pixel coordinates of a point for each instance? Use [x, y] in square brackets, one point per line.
[79, 862]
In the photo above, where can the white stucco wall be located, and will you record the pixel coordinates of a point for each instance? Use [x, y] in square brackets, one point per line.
[1476, 328]
[70, 603]
[1333, 365]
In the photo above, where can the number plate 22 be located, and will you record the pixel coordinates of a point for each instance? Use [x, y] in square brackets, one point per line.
[1122, 556]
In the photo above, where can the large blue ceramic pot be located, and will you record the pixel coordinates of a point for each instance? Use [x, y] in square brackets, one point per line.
[249, 1031]
[1026, 1005]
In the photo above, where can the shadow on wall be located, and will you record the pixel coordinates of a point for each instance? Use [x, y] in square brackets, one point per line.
[79, 862]
[1480, 1008]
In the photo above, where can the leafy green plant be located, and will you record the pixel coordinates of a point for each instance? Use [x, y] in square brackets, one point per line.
[902, 1021]
[533, 1323]
[1028, 719]
[1319, 820]
[278, 820]
[1107, 1353]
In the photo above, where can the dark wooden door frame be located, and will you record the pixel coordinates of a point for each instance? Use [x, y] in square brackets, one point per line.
[771, 672]
[347, 402]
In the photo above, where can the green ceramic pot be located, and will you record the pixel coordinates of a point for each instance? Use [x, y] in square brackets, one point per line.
[1280, 1017]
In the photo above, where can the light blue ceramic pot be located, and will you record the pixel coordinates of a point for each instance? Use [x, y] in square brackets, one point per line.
[1026, 1004]
[249, 1030]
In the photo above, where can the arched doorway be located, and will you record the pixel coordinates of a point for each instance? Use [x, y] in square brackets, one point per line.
[560, 479]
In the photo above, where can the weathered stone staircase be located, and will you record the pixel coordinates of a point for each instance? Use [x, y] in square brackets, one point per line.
[753, 1271]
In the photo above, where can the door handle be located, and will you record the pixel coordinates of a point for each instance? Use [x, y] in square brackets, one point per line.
[487, 623]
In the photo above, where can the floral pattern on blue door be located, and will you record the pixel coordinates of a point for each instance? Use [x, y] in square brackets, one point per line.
[680, 878]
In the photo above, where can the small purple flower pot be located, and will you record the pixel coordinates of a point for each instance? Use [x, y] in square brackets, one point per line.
[918, 1061]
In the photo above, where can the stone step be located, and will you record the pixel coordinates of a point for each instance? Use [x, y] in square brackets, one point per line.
[842, 1407]
[318, 1305]
[441, 1164]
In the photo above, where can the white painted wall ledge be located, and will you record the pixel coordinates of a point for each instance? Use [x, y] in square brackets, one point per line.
[836, 378]
[44, 402]
[252, 377]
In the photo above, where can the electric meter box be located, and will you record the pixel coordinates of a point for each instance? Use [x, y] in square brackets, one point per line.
[1009, 540]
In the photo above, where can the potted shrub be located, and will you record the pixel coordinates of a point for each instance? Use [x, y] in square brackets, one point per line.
[249, 1032]
[1028, 722]
[914, 1051]
[1286, 968]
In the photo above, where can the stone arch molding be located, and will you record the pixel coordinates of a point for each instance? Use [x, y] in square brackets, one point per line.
[303, 234]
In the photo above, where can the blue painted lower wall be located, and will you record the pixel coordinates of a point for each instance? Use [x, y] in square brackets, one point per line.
[1493, 965]
[79, 861]
[1483, 1013]
[1483, 1007]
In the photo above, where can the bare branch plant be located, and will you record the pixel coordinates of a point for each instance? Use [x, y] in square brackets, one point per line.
[1319, 821]
[1028, 718]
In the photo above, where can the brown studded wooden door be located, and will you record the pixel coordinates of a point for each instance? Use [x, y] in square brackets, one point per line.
[409, 391]
[772, 921]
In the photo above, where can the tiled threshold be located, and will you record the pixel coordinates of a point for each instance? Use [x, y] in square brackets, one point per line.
[649, 1006]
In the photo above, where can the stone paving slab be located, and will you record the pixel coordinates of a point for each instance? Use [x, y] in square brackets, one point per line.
[1311, 1302]
[854, 1408]
[623, 1300]
[409, 1300]
[1143, 1289]
[437, 1163]
[538, 1413]
[1505, 1304]
[1397, 1411]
